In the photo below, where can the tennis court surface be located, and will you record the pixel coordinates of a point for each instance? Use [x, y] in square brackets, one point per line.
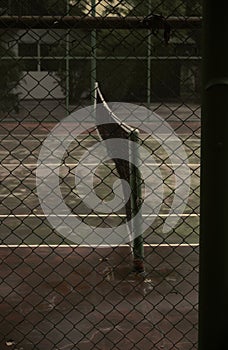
[74, 237]
[60, 296]
[85, 298]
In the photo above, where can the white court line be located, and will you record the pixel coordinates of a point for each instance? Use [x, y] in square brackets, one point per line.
[92, 164]
[92, 215]
[95, 246]
[90, 141]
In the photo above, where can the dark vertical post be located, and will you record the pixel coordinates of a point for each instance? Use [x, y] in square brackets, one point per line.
[136, 202]
[67, 63]
[213, 305]
[93, 73]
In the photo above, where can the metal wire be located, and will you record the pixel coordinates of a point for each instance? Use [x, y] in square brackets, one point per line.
[59, 291]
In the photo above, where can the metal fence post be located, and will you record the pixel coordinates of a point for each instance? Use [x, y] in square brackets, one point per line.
[149, 51]
[136, 201]
[93, 54]
[67, 63]
[213, 305]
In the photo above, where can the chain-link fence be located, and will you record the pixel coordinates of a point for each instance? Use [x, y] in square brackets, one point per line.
[66, 244]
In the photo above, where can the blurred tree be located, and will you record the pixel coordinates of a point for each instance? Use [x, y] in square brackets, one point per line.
[122, 79]
[78, 39]
[194, 8]
[46, 7]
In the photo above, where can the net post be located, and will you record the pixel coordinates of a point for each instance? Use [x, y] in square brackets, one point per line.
[136, 202]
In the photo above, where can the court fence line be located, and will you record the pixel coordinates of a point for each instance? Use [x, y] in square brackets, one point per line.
[60, 293]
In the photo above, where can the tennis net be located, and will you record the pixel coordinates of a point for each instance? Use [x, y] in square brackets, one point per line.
[109, 126]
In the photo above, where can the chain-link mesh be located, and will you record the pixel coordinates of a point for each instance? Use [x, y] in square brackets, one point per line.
[62, 286]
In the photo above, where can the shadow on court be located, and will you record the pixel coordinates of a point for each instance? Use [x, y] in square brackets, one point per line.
[85, 298]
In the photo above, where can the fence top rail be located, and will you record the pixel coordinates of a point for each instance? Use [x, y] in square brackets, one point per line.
[90, 22]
